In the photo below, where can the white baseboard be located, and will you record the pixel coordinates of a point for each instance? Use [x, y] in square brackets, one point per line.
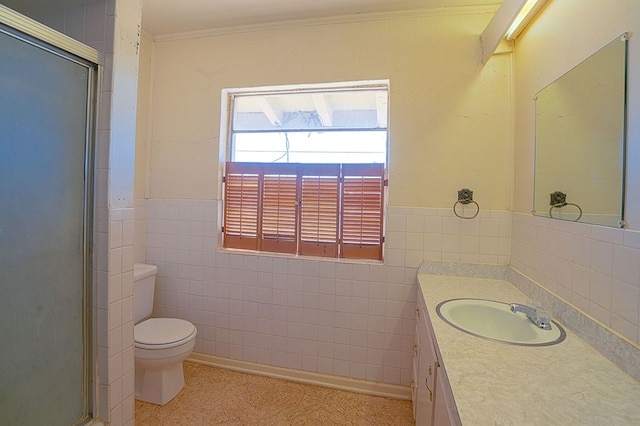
[307, 377]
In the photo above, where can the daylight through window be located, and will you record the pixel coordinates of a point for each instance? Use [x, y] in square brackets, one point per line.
[306, 172]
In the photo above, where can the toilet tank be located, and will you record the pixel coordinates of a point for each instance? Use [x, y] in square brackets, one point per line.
[144, 283]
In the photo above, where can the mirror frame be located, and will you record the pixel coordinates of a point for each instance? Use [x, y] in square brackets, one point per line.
[558, 199]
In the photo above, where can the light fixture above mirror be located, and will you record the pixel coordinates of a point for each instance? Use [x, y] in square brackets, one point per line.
[526, 14]
[508, 22]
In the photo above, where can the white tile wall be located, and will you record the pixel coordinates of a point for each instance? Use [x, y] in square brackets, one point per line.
[140, 243]
[343, 318]
[595, 268]
[115, 341]
[93, 23]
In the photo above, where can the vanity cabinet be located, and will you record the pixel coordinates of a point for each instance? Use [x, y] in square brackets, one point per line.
[429, 386]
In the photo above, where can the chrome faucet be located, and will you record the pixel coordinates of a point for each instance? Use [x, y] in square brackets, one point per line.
[544, 322]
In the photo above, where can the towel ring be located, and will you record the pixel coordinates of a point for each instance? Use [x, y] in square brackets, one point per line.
[465, 196]
[465, 202]
[560, 205]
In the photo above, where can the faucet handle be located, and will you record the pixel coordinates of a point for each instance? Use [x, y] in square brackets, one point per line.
[543, 316]
[541, 313]
[537, 315]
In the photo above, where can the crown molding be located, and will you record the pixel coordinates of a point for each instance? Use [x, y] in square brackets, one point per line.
[342, 19]
[147, 34]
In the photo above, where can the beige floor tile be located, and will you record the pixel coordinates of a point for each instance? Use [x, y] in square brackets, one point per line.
[215, 396]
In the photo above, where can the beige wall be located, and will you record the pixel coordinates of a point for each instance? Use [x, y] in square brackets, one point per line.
[143, 120]
[451, 126]
[592, 267]
[449, 115]
[564, 34]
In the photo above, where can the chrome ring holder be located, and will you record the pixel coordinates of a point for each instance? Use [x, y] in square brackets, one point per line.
[465, 197]
[559, 200]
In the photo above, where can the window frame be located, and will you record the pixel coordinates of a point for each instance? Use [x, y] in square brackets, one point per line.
[302, 247]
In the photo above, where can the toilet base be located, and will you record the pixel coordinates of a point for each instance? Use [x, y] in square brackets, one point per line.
[159, 386]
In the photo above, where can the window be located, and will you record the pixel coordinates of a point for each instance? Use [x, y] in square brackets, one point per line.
[306, 172]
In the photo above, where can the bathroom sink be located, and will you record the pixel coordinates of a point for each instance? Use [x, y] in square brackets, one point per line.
[494, 320]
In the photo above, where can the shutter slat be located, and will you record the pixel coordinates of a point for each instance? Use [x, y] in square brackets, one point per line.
[319, 212]
[310, 209]
[241, 207]
[362, 210]
[279, 208]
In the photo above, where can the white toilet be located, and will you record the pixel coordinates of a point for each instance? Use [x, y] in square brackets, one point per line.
[161, 344]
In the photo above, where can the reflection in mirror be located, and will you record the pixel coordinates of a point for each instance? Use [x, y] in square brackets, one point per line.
[580, 141]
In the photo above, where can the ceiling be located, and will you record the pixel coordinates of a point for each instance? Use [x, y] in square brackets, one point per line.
[163, 17]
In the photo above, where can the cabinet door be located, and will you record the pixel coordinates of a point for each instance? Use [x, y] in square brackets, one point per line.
[425, 387]
[441, 411]
[433, 401]
[414, 377]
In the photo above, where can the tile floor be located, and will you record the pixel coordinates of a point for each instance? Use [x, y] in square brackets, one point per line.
[214, 396]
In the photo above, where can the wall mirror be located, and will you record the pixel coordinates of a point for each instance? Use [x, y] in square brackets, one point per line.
[580, 140]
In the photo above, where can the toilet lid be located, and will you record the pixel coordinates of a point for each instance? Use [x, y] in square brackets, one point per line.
[162, 332]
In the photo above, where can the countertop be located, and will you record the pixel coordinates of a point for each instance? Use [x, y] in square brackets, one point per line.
[494, 383]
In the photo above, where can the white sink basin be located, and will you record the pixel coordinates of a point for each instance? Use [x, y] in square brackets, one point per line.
[493, 320]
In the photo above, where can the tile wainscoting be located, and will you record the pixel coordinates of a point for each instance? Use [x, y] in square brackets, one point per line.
[596, 269]
[352, 319]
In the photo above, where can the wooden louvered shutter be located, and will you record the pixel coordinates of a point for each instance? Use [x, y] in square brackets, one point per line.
[241, 205]
[362, 211]
[308, 209]
[279, 221]
[320, 199]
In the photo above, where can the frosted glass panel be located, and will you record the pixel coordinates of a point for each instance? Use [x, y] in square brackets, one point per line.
[43, 114]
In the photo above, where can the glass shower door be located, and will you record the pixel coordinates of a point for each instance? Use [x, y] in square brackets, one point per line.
[45, 227]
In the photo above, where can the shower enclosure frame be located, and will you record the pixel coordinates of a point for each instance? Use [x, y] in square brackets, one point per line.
[32, 32]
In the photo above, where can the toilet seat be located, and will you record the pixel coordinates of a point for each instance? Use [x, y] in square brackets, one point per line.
[163, 333]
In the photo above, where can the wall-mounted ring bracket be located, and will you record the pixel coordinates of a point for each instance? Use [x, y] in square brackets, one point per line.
[557, 198]
[465, 196]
